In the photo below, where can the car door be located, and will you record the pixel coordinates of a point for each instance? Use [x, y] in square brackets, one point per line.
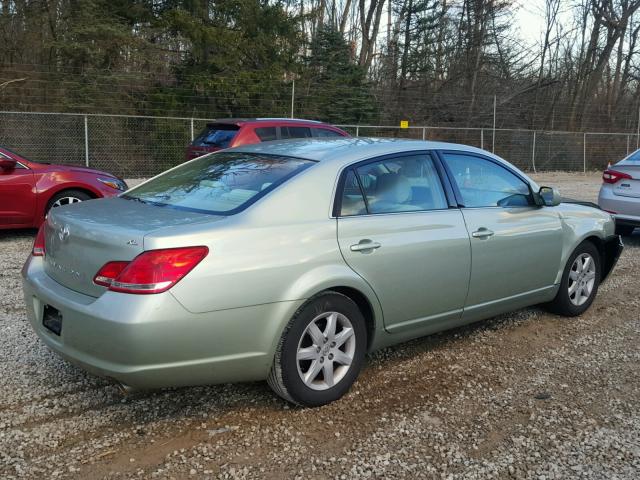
[516, 245]
[17, 197]
[400, 232]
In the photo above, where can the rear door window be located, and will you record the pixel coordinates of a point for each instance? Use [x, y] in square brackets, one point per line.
[396, 184]
[295, 132]
[266, 134]
[216, 135]
[325, 132]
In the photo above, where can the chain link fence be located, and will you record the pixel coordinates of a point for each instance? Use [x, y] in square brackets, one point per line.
[136, 146]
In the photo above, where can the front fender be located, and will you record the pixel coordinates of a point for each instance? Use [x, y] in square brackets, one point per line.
[580, 223]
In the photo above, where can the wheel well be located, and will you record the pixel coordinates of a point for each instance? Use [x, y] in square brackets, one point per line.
[365, 307]
[597, 242]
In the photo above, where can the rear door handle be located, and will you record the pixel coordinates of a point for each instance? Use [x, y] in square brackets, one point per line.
[482, 233]
[364, 246]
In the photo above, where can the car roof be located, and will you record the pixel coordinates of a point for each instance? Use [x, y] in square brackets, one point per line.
[346, 150]
[237, 121]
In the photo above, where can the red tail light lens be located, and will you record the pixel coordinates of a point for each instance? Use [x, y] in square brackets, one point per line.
[612, 176]
[154, 271]
[109, 272]
[38, 244]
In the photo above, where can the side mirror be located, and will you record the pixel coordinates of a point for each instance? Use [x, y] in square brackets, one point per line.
[7, 164]
[549, 197]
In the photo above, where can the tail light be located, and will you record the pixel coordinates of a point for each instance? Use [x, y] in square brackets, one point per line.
[109, 272]
[153, 271]
[38, 244]
[612, 176]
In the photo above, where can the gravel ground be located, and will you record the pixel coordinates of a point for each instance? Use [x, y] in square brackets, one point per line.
[524, 395]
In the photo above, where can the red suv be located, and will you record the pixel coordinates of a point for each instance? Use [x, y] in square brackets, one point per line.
[29, 189]
[241, 131]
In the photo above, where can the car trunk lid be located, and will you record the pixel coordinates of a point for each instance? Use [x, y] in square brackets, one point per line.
[628, 187]
[81, 238]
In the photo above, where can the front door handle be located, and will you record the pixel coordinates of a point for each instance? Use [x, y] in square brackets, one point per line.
[365, 246]
[482, 233]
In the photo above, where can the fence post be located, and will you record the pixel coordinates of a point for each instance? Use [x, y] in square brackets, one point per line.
[533, 152]
[638, 131]
[584, 152]
[482, 138]
[357, 130]
[424, 133]
[627, 144]
[293, 94]
[86, 141]
[493, 141]
[192, 129]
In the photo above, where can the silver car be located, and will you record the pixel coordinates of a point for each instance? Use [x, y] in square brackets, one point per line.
[620, 193]
[289, 261]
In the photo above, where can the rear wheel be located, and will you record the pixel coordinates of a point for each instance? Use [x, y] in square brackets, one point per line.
[624, 230]
[67, 197]
[320, 352]
[580, 281]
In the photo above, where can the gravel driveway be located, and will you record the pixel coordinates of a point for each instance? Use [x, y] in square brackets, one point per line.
[525, 395]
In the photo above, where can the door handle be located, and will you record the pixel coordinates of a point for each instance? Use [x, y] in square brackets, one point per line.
[365, 245]
[482, 233]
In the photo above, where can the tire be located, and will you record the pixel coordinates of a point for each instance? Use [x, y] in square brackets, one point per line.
[66, 197]
[573, 304]
[287, 377]
[624, 230]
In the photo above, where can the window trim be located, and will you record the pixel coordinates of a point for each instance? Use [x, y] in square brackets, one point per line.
[454, 185]
[342, 176]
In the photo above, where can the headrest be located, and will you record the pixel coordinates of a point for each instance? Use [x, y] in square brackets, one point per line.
[393, 188]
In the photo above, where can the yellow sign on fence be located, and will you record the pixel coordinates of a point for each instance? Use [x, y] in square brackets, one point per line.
[404, 123]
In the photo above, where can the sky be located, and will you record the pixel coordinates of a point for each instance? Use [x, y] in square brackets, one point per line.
[529, 15]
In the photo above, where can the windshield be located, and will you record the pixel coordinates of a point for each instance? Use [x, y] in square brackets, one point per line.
[22, 156]
[220, 183]
[216, 136]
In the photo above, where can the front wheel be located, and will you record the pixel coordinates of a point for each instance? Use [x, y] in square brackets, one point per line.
[320, 352]
[67, 197]
[580, 281]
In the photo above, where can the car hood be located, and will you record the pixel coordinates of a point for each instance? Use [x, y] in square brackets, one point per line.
[50, 167]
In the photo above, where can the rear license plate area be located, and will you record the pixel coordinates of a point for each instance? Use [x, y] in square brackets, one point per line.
[52, 319]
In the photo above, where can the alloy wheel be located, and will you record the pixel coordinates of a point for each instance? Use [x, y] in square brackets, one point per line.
[326, 350]
[65, 201]
[582, 277]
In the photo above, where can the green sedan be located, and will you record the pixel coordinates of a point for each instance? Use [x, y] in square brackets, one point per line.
[289, 261]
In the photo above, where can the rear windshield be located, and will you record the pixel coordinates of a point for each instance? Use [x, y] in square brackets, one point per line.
[633, 159]
[216, 136]
[219, 183]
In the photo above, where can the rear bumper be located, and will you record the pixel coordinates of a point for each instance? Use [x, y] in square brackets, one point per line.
[613, 247]
[626, 210]
[152, 341]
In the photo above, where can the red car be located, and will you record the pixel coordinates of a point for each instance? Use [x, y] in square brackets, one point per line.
[29, 189]
[241, 131]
